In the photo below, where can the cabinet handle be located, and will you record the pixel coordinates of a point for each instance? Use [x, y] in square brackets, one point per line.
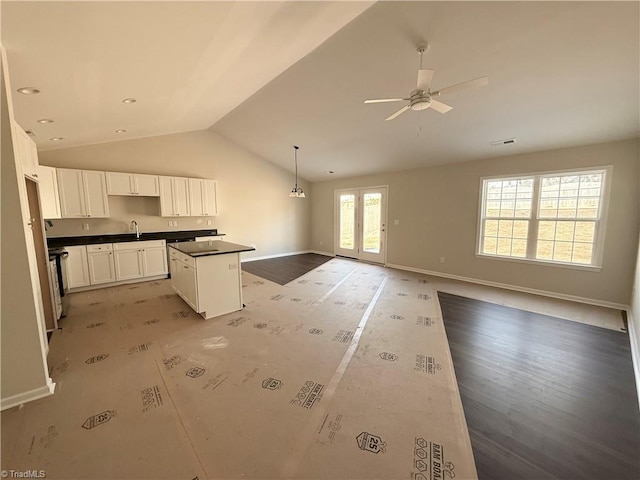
[35, 175]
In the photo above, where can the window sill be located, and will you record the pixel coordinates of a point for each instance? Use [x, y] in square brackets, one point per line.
[570, 266]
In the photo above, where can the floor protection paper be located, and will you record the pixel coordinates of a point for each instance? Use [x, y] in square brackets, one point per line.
[344, 373]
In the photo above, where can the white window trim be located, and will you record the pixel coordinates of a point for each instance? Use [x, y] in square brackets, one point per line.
[598, 251]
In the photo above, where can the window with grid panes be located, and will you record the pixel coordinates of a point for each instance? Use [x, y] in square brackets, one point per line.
[549, 218]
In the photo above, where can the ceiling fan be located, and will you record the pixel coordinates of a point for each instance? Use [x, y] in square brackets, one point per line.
[422, 97]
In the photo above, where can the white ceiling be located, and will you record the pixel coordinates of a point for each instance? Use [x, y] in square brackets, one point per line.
[560, 74]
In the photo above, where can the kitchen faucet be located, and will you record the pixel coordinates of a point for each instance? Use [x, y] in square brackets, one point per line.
[135, 225]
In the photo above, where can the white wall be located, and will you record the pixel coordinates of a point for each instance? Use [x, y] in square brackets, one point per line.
[437, 209]
[23, 367]
[254, 206]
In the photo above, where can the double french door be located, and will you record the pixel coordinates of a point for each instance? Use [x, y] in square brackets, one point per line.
[361, 223]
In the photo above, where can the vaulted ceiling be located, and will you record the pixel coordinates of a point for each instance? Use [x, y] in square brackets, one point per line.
[268, 75]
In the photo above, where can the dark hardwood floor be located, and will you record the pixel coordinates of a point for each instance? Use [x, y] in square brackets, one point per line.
[543, 397]
[283, 270]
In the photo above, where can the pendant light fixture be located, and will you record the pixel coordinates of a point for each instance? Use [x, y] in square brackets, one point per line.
[296, 191]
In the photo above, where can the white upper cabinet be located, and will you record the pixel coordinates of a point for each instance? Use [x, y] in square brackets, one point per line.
[174, 197]
[83, 193]
[49, 198]
[132, 184]
[27, 152]
[202, 197]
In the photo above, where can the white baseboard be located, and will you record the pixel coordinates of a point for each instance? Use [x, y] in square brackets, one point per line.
[277, 255]
[28, 396]
[534, 291]
[326, 254]
[635, 350]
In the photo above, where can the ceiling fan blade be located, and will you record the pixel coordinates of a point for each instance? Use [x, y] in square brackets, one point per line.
[385, 100]
[439, 106]
[424, 79]
[461, 86]
[394, 115]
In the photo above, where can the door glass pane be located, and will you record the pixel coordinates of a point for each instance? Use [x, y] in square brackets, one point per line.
[371, 222]
[347, 217]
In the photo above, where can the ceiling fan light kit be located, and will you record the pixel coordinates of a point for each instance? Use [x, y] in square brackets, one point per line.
[422, 97]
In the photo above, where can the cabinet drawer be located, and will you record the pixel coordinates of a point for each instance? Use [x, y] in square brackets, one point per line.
[182, 257]
[139, 245]
[103, 247]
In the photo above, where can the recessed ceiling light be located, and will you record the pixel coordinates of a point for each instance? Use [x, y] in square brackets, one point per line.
[45, 120]
[56, 139]
[28, 90]
[329, 172]
[129, 100]
[121, 130]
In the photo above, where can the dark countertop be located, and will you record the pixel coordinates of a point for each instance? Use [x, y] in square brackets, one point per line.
[184, 235]
[209, 247]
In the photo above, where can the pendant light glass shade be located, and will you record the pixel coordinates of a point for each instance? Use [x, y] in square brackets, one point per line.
[296, 192]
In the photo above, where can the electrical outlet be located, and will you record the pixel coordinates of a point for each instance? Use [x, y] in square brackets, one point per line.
[170, 223]
[85, 226]
[209, 222]
[396, 222]
[441, 259]
[320, 242]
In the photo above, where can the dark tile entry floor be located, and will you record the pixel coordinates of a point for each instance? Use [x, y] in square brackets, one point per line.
[543, 397]
[283, 270]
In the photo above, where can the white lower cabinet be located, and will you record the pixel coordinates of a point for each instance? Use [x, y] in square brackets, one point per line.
[140, 259]
[76, 267]
[154, 261]
[211, 285]
[184, 280]
[101, 264]
[128, 264]
[106, 263]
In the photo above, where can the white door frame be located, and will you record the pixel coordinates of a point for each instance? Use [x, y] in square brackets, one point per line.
[357, 252]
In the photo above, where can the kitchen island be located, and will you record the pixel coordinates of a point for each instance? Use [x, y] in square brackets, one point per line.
[207, 275]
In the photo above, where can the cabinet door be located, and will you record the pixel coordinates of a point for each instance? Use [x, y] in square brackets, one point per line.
[146, 185]
[175, 275]
[48, 185]
[120, 183]
[128, 264]
[166, 197]
[210, 200]
[76, 267]
[181, 196]
[155, 261]
[95, 191]
[27, 153]
[196, 197]
[101, 267]
[71, 192]
[189, 283]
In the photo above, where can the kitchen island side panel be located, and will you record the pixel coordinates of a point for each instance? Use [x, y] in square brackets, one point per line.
[219, 284]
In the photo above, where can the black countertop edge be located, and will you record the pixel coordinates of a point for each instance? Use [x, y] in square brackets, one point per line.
[214, 247]
[184, 235]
